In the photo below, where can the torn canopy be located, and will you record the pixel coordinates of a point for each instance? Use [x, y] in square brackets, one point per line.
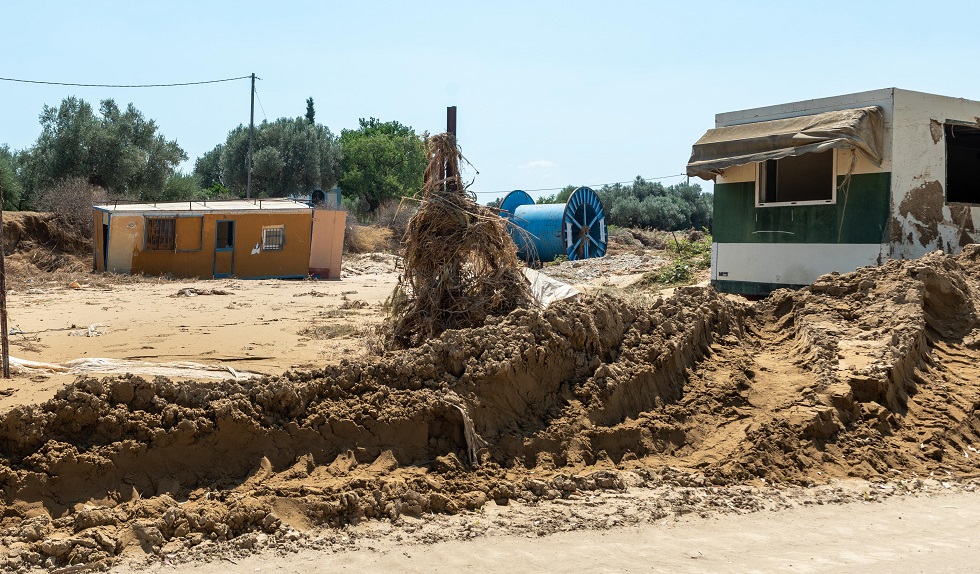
[720, 148]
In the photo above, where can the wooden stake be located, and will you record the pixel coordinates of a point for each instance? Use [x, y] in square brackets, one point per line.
[4, 340]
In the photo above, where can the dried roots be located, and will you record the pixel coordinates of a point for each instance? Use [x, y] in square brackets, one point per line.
[460, 263]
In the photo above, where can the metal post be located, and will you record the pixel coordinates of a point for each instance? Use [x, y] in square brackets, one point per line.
[451, 120]
[447, 170]
[251, 134]
[4, 341]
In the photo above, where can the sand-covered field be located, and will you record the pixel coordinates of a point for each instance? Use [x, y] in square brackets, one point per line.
[264, 327]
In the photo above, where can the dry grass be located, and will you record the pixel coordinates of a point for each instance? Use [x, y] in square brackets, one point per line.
[366, 238]
[331, 331]
[460, 263]
[395, 215]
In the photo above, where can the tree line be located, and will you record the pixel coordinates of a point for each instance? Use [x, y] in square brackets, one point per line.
[109, 152]
[117, 153]
[647, 205]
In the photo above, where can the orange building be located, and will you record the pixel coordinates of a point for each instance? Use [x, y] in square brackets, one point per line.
[249, 239]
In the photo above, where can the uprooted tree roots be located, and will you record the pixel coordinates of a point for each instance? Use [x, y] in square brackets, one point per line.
[461, 265]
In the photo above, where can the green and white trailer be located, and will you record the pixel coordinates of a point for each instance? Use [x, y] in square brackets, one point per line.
[834, 184]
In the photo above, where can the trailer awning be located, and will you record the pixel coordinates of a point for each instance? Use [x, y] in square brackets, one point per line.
[720, 148]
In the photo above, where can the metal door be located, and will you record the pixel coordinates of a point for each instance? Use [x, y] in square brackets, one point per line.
[224, 248]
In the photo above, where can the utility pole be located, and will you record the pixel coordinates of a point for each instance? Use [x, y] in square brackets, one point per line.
[251, 135]
[447, 169]
[4, 341]
[451, 120]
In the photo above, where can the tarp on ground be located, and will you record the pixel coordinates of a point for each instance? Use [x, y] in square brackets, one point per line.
[546, 289]
[721, 148]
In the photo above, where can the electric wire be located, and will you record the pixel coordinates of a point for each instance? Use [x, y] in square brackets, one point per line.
[261, 107]
[264, 115]
[172, 85]
[591, 185]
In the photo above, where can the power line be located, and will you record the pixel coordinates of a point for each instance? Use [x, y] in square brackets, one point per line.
[260, 103]
[591, 185]
[124, 85]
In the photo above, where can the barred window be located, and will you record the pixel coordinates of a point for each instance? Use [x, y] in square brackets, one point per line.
[273, 238]
[160, 233]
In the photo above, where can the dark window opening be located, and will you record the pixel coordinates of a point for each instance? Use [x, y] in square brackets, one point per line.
[962, 164]
[808, 177]
[160, 233]
[225, 237]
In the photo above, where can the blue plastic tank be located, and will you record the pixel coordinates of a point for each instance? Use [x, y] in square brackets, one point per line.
[542, 232]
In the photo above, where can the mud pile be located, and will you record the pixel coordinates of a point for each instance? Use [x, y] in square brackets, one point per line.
[870, 374]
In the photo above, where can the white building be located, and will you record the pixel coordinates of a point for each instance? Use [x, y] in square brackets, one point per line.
[834, 184]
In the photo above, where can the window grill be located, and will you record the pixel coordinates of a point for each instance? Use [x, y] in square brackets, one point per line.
[273, 238]
[161, 233]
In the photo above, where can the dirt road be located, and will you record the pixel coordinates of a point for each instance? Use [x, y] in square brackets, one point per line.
[901, 534]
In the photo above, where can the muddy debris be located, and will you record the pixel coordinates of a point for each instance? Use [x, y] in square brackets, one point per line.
[868, 375]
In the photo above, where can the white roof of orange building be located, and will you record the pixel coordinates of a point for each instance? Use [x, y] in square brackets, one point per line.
[221, 206]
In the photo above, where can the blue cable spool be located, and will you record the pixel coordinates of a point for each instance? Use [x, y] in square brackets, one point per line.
[543, 232]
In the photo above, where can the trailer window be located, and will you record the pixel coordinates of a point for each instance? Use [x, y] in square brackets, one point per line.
[160, 233]
[962, 163]
[804, 179]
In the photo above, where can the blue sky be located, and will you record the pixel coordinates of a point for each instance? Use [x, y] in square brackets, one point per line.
[549, 93]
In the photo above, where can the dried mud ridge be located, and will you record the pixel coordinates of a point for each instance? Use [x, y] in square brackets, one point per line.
[870, 374]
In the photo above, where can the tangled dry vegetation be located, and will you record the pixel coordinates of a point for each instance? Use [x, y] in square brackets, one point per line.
[461, 265]
[44, 247]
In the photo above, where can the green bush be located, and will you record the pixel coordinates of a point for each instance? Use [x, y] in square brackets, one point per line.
[692, 254]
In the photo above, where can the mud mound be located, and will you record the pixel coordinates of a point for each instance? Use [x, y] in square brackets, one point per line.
[869, 374]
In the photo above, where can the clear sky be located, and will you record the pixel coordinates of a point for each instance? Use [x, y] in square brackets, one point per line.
[549, 93]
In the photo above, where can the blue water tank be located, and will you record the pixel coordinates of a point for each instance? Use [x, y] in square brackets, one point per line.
[542, 232]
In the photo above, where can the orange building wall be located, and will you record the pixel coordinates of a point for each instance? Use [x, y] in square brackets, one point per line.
[98, 217]
[328, 243]
[126, 254]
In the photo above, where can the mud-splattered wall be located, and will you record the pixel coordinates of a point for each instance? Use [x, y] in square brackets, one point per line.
[921, 220]
[194, 250]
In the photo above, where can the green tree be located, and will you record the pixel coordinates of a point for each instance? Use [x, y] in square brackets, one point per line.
[289, 156]
[118, 150]
[10, 181]
[207, 168]
[310, 112]
[648, 204]
[181, 187]
[381, 160]
[560, 197]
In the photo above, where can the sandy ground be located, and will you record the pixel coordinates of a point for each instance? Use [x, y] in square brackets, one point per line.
[264, 327]
[259, 326]
[934, 533]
